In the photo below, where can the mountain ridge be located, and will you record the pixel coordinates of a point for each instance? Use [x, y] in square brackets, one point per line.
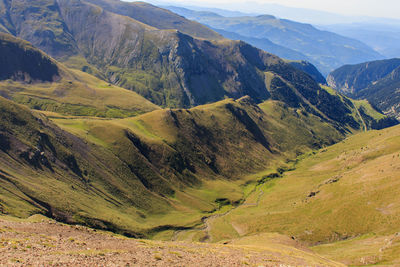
[170, 68]
[314, 43]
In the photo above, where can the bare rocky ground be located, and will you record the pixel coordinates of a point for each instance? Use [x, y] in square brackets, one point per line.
[48, 243]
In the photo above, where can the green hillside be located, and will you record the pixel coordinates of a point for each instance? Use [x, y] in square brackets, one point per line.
[78, 94]
[32, 78]
[142, 171]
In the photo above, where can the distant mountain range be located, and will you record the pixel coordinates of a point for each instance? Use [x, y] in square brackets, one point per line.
[326, 50]
[253, 8]
[383, 37]
[377, 81]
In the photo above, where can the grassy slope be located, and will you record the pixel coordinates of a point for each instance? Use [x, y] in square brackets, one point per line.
[31, 77]
[191, 151]
[181, 159]
[345, 192]
[45, 170]
[78, 94]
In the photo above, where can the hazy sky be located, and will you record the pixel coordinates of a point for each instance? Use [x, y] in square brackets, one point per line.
[375, 8]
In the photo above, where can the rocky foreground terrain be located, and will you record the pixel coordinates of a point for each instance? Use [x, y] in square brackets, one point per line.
[42, 242]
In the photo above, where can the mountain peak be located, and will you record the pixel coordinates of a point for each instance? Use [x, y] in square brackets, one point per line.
[266, 17]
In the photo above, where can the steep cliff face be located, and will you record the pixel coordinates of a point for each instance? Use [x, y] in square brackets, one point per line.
[385, 93]
[350, 79]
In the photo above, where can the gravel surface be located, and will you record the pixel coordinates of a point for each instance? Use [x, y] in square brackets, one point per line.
[48, 243]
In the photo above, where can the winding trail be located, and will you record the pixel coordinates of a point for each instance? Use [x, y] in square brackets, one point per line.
[207, 220]
[362, 120]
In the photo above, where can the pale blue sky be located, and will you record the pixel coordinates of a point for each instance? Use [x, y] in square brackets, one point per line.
[375, 8]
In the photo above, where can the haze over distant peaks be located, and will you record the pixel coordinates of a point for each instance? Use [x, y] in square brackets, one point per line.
[326, 50]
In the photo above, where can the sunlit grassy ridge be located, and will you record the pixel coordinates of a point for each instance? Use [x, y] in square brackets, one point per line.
[78, 94]
[32, 78]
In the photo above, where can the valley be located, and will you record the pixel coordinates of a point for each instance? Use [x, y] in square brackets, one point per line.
[131, 135]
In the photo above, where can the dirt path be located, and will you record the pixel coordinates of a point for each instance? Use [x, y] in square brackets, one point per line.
[207, 221]
[362, 120]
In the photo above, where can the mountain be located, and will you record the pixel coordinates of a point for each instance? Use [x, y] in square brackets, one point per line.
[266, 166]
[166, 66]
[265, 45]
[326, 50]
[157, 17]
[381, 36]
[377, 81]
[141, 170]
[385, 93]
[49, 85]
[283, 52]
[350, 79]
